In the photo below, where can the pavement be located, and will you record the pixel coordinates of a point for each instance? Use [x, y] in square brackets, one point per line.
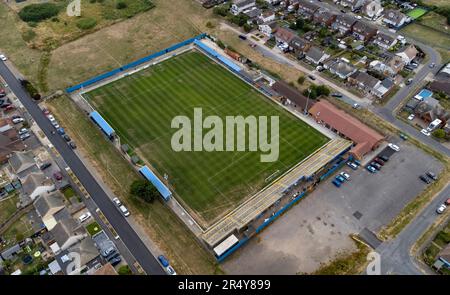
[130, 238]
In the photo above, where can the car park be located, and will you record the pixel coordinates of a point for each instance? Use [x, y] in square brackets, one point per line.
[345, 175]
[163, 260]
[352, 165]
[431, 175]
[441, 209]
[425, 179]
[394, 147]
[371, 169]
[84, 217]
[124, 211]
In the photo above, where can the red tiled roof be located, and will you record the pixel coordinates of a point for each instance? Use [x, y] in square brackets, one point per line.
[365, 137]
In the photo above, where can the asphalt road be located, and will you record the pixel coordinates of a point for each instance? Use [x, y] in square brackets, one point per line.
[117, 220]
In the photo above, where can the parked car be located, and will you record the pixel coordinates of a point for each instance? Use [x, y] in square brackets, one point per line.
[58, 175]
[66, 137]
[242, 37]
[403, 136]
[124, 211]
[345, 175]
[356, 106]
[18, 120]
[432, 65]
[45, 165]
[441, 209]
[447, 203]
[337, 94]
[84, 217]
[117, 202]
[25, 136]
[163, 260]
[9, 108]
[375, 165]
[409, 81]
[425, 132]
[352, 165]
[170, 270]
[425, 179]
[55, 124]
[61, 131]
[384, 158]
[116, 260]
[371, 169]
[311, 77]
[431, 175]
[108, 250]
[46, 112]
[378, 161]
[336, 182]
[394, 147]
[72, 145]
[340, 178]
[3, 57]
[23, 131]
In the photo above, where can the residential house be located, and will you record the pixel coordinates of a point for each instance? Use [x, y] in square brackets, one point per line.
[316, 55]
[444, 256]
[268, 29]
[299, 45]
[365, 138]
[441, 86]
[324, 17]
[383, 88]
[430, 109]
[363, 31]
[9, 141]
[372, 9]
[292, 5]
[364, 81]
[307, 8]
[284, 35]
[23, 163]
[68, 232]
[253, 15]
[239, 6]
[47, 206]
[396, 64]
[408, 54]
[87, 252]
[340, 68]
[266, 17]
[36, 184]
[352, 4]
[444, 73]
[384, 40]
[343, 23]
[394, 18]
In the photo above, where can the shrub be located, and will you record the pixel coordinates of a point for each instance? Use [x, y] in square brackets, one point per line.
[301, 80]
[440, 133]
[38, 12]
[86, 23]
[32, 91]
[121, 5]
[144, 190]
[124, 270]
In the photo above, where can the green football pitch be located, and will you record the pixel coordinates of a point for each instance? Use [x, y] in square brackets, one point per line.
[140, 107]
[416, 13]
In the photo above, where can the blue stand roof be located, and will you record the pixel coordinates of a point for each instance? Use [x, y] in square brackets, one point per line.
[160, 186]
[102, 123]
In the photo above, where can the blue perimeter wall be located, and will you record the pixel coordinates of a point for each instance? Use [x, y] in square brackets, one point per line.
[133, 64]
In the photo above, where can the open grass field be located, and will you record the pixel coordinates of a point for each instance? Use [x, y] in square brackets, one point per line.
[8, 207]
[416, 13]
[141, 107]
[436, 22]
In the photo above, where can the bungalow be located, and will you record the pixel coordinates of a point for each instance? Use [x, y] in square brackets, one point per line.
[440, 87]
[364, 81]
[352, 4]
[363, 31]
[444, 256]
[252, 14]
[408, 54]
[384, 41]
[343, 23]
[383, 88]
[23, 163]
[340, 68]
[239, 6]
[47, 206]
[9, 141]
[36, 184]
[299, 45]
[372, 9]
[284, 35]
[382, 68]
[268, 29]
[68, 232]
[394, 18]
[316, 55]
[307, 9]
[324, 17]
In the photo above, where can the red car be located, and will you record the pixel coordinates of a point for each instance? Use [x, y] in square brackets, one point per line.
[447, 203]
[379, 161]
[9, 108]
[58, 175]
[46, 112]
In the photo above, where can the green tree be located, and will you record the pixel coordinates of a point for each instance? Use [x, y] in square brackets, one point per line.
[38, 12]
[144, 190]
[121, 5]
[439, 133]
[301, 80]
[124, 270]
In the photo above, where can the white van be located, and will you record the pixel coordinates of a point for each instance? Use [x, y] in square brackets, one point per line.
[124, 211]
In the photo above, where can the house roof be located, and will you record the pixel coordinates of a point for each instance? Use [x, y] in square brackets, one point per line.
[365, 79]
[445, 254]
[253, 12]
[298, 43]
[292, 94]
[9, 143]
[440, 86]
[87, 250]
[385, 38]
[323, 15]
[341, 67]
[365, 137]
[46, 203]
[315, 53]
[243, 3]
[34, 180]
[65, 229]
[394, 16]
[346, 19]
[363, 28]
[284, 34]
[307, 5]
[21, 161]
[410, 51]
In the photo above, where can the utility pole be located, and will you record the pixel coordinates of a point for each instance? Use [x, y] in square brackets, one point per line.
[307, 102]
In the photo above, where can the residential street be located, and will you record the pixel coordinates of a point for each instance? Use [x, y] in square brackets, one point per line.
[117, 220]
